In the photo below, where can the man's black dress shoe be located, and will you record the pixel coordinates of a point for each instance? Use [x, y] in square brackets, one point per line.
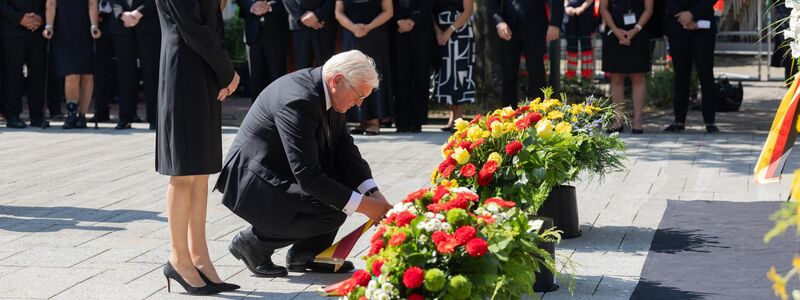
[675, 128]
[403, 129]
[257, 261]
[305, 263]
[99, 117]
[123, 124]
[14, 121]
[41, 123]
[356, 131]
[711, 128]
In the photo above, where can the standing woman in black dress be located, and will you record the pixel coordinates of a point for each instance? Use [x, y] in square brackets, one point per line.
[196, 76]
[452, 82]
[626, 50]
[365, 30]
[73, 33]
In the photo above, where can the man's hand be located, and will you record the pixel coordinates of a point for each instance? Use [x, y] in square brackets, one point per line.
[129, 19]
[685, 18]
[259, 8]
[373, 207]
[36, 21]
[310, 20]
[504, 31]
[405, 25]
[553, 33]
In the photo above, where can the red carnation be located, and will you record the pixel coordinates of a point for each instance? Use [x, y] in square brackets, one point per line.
[415, 297]
[416, 195]
[523, 109]
[523, 123]
[376, 267]
[438, 236]
[464, 144]
[378, 234]
[397, 239]
[513, 147]
[488, 219]
[361, 277]
[475, 120]
[468, 170]
[469, 196]
[464, 234]
[447, 244]
[363, 298]
[404, 218]
[485, 178]
[440, 192]
[437, 207]
[500, 202]
[347, 286]
[458, 202]
[489, 167]
[450, 144]
[448, 171]
[377, 246]
[534, 117]
[413, 277]
[476, 247]
[449, 161]
[463, 134]
[476, 143]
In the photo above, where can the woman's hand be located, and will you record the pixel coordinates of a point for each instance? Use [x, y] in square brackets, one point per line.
[360, 30]
[622, 36]
[96, 33]
[569, 10]
[47, 32]
[444, 37]
[228, 90]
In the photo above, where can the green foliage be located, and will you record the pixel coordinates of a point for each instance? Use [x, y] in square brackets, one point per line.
[661, 87]
[234, 35]
[784, 218]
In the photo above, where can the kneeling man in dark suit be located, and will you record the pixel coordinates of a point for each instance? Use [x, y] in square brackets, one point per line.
[293, 171]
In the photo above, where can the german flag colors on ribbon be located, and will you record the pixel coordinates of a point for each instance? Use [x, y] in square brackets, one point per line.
[337, 253]
[781, 138]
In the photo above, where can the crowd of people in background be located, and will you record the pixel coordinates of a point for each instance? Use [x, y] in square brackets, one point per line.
[76, 51]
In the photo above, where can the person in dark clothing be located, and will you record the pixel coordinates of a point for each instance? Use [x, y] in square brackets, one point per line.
[103, 81]
[691, 30]
[364, 22]
[524, 28]
[195, 76]
[266, 36]
[24, 45]
[313, 29]
[135, 33]
[579, 26]
[781, 55]
[411, 32]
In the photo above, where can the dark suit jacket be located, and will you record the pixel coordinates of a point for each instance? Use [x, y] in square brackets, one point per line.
[288, 148]
[148, 23]
[252, 23]
[417, 10]
[528, 14]
[323, 9]
[701, 9]
[12, 12]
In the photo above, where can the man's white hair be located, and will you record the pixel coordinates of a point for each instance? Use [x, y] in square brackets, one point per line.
[356, 67]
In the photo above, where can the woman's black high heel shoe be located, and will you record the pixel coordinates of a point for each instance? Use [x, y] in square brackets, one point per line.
[222, 286]
[171, 273]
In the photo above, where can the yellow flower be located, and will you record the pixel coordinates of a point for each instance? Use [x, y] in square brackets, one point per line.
[453, 183]
[474, 133]
[496, 157]
[778, 285]
[460, 124]
[461, 155]
[576, 109]
[509, 127]
[446, 152]
[485, 134]
[551, 102]
[555, 115]
[536, 101]
[544, 129]
[433, 175]
[507, 111]
[497, 129]
[564, 128]
[796, 262]
[589, 109]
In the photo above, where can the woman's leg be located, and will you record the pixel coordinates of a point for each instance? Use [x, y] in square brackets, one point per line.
[456, 112]
[86, 88]
[179, 204]
[618, 96]
[198, 248]
[639, 95]
[72, 87]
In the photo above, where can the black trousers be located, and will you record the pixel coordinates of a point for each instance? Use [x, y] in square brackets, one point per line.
[145, 48]
[313, 47]
[533, 46]
[310, 232]
[267, 56]
[698, 49]
[411, 57]
[29, 50]
[103, 79]
[55, 84]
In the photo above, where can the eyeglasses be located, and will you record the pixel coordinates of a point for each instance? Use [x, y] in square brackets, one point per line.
[360, 97]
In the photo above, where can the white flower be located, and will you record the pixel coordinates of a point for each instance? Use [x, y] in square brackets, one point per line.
[430, 215]
[387, 287]
[493, 208]
[429, 227]
[461, 190]
[446, 227]
[384, 297]
[440, 216]
[422, 239]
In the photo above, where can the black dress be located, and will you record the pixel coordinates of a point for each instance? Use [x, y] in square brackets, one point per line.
[452, 80]
[72, 39]
[376, 45]
[194, 67]
[622, 59]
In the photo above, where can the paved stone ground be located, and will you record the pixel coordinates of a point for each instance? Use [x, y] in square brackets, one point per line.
[82, 212]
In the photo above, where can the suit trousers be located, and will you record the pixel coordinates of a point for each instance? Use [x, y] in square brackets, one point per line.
[311, 231]
[312, 48]
[145, 48]
[412, 66]
[103, 79]
[267, 57]
[686, 50]
[533, 46]
[29, 50]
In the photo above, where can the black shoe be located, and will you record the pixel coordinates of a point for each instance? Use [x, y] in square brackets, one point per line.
[258, 262]
[222, 286]
[711, 128]
[152, 126]
[387, 124]
[305, 263]
[356, 131]
[81, 121]
[14, 121]
[171, 273]
[40, 122]
[637, 131]
[99, 118]
[123, 124]
[448, 129]
[675, 128]
[403, 129]
[57, 116]
[416, 129]
[69, 121]
[619, 129]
